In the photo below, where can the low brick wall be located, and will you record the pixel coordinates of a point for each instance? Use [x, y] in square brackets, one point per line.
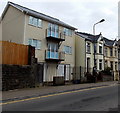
[16, 77]
[107, 78]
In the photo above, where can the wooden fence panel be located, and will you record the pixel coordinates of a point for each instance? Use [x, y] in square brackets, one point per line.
[12, 53]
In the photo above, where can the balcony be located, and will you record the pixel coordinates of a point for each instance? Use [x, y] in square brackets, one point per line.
[54, 56]
[55, 35]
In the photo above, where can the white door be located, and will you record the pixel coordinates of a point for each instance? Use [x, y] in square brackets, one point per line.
[67, 74]
[60, 70]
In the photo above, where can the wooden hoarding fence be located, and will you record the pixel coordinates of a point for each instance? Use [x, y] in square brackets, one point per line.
[13, 53]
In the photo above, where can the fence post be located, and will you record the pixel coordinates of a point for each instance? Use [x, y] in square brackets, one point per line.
[80, 74]
[70, 68]
[64, 72]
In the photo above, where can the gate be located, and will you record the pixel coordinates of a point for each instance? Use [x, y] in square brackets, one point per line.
[40, 72]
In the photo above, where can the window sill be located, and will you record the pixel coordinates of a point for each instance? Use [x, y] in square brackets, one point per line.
[88, 52]
[35, 26]
[37, 49]
[68, 53]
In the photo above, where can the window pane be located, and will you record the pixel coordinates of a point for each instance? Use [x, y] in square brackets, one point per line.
[111, 52]
[70, 50]
[88, 47]
[35, 21]
[30, 20]
[56, 31]
[95, 48]
[34, 43]
[66, 31]
[70, 32]
[100, 64]
[39, 23]
[30, 42]
[100, 49]
[64, 48]
[38, 44]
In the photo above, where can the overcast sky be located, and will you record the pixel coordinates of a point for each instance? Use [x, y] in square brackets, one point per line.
[81, 14]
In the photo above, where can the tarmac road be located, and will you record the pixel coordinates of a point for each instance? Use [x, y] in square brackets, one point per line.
[93, 99]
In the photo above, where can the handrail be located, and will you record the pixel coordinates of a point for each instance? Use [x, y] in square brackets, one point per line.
[55, 33]
[61, 54]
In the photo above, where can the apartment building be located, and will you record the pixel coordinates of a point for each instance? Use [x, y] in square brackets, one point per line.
[93, 51]
[54, 40]
[111, 56]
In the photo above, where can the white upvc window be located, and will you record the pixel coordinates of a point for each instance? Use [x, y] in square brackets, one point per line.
[68, 32]
[100, 64]
[68, 49]
[35, 43]
[35, 21]
[115, 52]
[88, 50]
[53, 30]
[100, 49]
[106, 52]
[39, 23]
[111, 51]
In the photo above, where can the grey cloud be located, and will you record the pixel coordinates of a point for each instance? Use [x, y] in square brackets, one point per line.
[81, 15]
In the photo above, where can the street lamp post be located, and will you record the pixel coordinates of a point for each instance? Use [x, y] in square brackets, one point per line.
[96, 24]
[94, 42]
[94, 37]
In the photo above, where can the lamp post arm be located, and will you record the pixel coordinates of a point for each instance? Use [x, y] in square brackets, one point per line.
[94, 27]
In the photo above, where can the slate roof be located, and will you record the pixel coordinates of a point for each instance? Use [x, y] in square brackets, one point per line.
[37, 14]
[109, 42]
[88, 36]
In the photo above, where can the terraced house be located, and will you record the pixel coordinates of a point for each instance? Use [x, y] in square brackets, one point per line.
[93, 51]
[53, 39]
[111, 56]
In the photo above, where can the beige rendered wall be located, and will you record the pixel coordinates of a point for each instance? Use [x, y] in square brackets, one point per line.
[40, 34]
[79, 51]
[69, 41]
[13, 25]
[32, 32]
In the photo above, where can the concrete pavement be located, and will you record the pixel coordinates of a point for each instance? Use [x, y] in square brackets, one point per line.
[45, 90]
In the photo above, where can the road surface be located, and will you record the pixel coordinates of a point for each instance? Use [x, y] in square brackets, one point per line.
[93, 99]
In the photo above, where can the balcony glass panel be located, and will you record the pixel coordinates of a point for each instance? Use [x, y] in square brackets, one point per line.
[52, 55]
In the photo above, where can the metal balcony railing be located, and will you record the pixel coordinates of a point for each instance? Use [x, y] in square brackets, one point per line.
[55, 34]
[54, 55]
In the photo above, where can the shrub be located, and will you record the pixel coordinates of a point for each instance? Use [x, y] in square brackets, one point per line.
[107, 71]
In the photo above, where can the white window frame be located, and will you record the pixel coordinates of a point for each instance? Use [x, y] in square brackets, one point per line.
[67, 49]
[115, 52]
[88, 45]
[100, 48]
[35, 21]
[106, 51]
[67, 32]
[100, 62]
[111, 52]
[37, 45]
